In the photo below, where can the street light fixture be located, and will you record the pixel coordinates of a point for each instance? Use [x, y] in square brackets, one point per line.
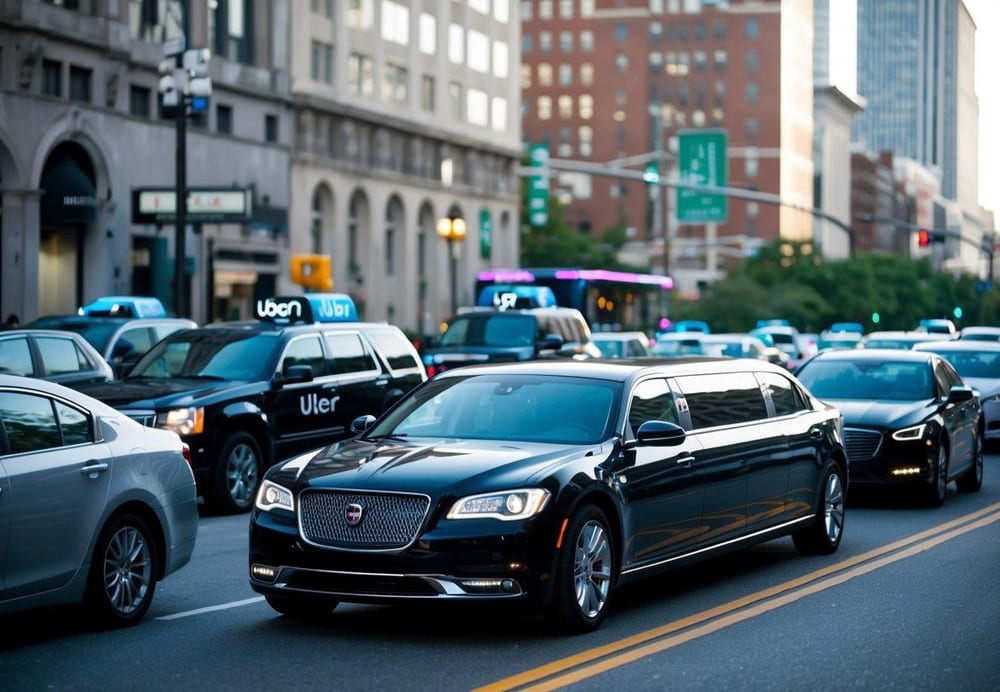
[453, 228]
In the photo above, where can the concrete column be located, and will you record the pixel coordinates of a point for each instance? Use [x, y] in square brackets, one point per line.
[20, 238]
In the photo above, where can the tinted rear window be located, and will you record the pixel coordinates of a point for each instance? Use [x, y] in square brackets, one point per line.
[394, 347]
[868, 379]
[491, 330]
[722, 399]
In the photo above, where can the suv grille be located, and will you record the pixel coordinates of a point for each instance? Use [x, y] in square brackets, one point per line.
[861, 444]
[389, 521]
[147, 418]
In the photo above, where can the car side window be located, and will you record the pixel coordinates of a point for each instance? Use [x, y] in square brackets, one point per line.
[348, 354]
[954, 379]
[15, 356]
[394, 347]
[651, 400]
[784, 396]
[29, 421]
[140, 339]
[722, 399]
[75, 425]
[305, 350]
[60, 356]
[941, 380]
[635, 348]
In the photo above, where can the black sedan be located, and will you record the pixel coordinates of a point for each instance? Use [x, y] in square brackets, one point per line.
[908, 418]
[549, 483]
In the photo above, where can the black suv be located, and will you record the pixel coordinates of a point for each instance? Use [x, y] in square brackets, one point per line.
[247, 395]
[482, 335]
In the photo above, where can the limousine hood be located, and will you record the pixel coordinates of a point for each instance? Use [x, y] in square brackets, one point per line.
[882, 413]
[431, 466]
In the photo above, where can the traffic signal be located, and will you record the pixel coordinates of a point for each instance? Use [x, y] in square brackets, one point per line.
[651, 176]
[312, 272]
[923, 238]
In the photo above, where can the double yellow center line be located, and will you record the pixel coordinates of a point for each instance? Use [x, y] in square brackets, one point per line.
[587, 664]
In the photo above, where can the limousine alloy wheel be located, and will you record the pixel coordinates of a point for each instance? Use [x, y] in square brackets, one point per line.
[586, 570]
[824, 533]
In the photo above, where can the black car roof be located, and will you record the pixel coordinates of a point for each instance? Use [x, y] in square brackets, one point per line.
[619, 369]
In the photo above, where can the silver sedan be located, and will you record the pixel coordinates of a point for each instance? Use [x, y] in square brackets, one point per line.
[94, 507]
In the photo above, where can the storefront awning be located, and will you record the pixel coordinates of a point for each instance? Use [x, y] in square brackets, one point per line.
[69, 196]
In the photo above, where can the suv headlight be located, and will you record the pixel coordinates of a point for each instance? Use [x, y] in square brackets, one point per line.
[910, 434]
[274, 496]
[508, 505]
[184, 421]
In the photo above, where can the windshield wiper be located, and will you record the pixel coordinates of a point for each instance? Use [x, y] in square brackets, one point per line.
[390, 436]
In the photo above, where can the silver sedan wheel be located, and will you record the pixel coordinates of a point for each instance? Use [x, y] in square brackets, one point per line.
[128, 570]
[833, 515]
[592, 568]
[241, 474]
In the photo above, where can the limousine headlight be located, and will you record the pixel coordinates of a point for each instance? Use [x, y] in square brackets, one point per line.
[184, 421]
[273, 496]
[505, 506]
[915, 432]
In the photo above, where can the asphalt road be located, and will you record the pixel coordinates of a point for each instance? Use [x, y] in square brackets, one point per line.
[910, 601]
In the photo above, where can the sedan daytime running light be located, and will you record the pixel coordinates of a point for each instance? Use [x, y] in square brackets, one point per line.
[909, 434]
[505, 506]
[184, 421]
[273, 496]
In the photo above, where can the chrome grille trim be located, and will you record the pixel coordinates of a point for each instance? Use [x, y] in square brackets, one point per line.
[325, 525]
[861, 444]
[147, 418]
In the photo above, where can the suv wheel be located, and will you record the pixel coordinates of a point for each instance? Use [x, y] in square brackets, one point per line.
[237, 475]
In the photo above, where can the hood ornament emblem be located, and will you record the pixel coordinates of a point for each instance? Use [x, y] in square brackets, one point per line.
[353, 514]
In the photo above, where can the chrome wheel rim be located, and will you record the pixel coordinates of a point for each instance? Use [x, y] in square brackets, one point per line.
[833, 514]
[592, 568]
[942, 473]
[128, 570]
[241, 474]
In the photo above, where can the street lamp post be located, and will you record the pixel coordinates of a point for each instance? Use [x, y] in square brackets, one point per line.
[452, 229]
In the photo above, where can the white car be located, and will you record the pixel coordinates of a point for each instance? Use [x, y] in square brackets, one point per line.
[93, 506]
[622, 344]
[980, 334]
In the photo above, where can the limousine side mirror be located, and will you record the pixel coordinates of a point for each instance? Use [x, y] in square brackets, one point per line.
[960, 394]
[657, 433]
[293, 374]
[362, 423]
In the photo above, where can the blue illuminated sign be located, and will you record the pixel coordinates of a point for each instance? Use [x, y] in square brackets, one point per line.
[313, 307]
[124, 306]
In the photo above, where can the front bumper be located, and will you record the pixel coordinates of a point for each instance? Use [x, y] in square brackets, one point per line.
[894, 463]
[472, 560]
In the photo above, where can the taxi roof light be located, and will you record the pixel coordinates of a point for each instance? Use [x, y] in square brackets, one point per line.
[312, 307]
[124, 306]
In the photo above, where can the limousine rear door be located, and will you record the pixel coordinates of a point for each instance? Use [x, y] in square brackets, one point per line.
[662, 488]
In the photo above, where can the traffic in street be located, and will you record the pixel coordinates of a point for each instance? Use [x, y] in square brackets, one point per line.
[909, 601]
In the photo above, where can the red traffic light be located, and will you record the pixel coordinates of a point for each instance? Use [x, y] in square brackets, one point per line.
[924, 238]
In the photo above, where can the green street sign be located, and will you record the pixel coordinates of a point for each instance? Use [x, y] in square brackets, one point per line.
[702, 162]
[485, 234]
[538, 186]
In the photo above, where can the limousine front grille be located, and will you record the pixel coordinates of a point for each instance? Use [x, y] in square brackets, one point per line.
[860, 444]
[147, 418]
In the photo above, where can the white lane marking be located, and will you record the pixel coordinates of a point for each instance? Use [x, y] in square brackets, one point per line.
[212, 609]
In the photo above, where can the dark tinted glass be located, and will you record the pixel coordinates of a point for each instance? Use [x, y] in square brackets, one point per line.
[15, 356]
[305, 351]
[394, 347]
[348, 354]
[868, 379]
[974, 363]
[60, 356]
[491, 330]
[722, 399]
[29, 422]
[211, 353]
[74, 423]
[651, 400]
[783, 393]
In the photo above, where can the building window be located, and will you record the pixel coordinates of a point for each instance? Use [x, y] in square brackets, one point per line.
[656, 6]
[565, 142]
[79, 83]
[545, 9]
[719, 28]
[427, 93]
[585, 135]
[700, 61]
[360, 14]
[501, 11]
[585, 105]
[224, 119]
[699, 95]
[699, 31]
[753, 62]
[544, 107]
[230, 26]
[360, 75]
[621, 98]
[526, 8]
[428, 34]
[656, 32]
[751, 166]
[501, 59]
[545, 41]
[498, 114]
[544, 74]
[586, 8]
[139, 101]
[321, 63]
[455, 100]
[752, 128]
[395, 22]
[155, 20]
[720, 60]
[682, 31]
[565, 75]
[566, 41]
[479, 51]
[477, 105]
[720, 93]
[456, 44]
[566, 9]
[565, 107]
[270, 128]
[621, 63]
[394, 84]
[525, 44]
[683, 95]
[752, 28]
[525, 75]
[51, 78]
[656, 61]
[751, 90]
[586, 74]
[621, 33]
[587, 41]
[480, 6]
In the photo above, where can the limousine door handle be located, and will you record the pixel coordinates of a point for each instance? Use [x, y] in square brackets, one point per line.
[685, 461]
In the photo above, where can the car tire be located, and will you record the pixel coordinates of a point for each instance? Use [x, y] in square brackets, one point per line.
[123, 572]
[823, 535]
[936, 492]
[585, 572]
[301, 606]
[972, 480]
[237, 475]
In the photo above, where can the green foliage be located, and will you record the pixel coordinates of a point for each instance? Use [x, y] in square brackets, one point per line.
[786, 280]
